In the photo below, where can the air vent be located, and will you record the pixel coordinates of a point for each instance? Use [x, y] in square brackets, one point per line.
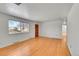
[17, 3]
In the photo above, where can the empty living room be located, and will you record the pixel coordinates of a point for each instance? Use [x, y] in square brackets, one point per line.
[39, 29]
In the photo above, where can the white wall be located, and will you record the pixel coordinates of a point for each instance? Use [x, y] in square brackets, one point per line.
[73, 30]
[5, 38]
[51, 28]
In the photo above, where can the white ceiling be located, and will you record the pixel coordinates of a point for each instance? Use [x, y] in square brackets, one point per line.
[37, 11]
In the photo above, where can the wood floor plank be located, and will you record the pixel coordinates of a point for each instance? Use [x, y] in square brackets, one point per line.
[40, 46]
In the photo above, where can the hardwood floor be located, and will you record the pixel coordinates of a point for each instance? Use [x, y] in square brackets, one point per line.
[40, 46]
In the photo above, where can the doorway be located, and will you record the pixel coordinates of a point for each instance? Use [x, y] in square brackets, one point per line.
[64, 30]
[36, 30]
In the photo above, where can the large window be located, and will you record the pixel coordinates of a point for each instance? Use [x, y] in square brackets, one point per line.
[17, 27]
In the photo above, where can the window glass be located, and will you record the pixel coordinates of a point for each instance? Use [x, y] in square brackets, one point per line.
[17, 27]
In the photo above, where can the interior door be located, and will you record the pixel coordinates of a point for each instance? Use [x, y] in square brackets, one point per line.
[36, 30]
